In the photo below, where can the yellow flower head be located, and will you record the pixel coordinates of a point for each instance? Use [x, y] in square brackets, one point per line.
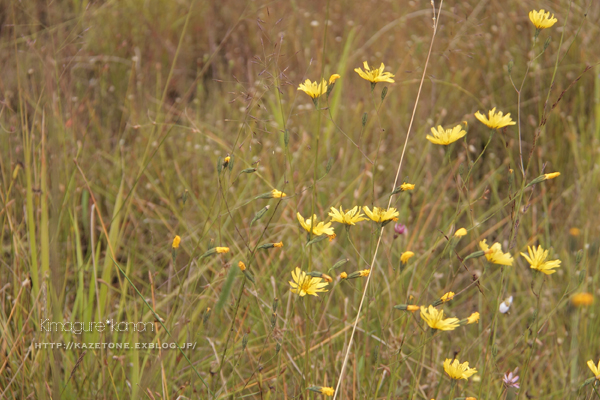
[319, 229]
[595, 369]
[473, 318]
[350, 217]
[412, 307]
[495, 255]
[406, 186]
[582, 299]
[456, 370]
[222, 250]
[226, 160]
[333, 78]
[551, 175]
[574, 231]
[313, 89]
[460, 233]
[446, 136]
[280, 244]
[375, 75]
[496, 119]
[277, 194]
[537, 260]
[343, 275]
[381, 214]
[435, 319]
[365, 272]
[242, 266]
[176, 241]
[303, 284]
[406, 256]
[542, 20]
[327, 391]
[447, 297]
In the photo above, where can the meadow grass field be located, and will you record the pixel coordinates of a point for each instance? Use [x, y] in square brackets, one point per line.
[160, 162]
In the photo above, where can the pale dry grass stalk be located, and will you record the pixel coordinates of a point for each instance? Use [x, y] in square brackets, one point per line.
[412, 118]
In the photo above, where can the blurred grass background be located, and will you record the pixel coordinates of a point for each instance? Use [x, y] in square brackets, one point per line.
[115, 115]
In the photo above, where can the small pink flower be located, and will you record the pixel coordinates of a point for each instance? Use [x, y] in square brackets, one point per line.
[511, 379]
[399, 229]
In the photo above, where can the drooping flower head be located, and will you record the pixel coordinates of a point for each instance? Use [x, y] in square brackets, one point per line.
[495, 255]
[381, 214]
[460, 232]
[303, 284]
[350, 217]
[319, 229]
[456, 370]
[313, 89]
[496, 120]
[374, 75]
[446, 136]
[435, 319]
[542, 19]
[537, 260]
[333, 78]
[595, 369]
[406, 256]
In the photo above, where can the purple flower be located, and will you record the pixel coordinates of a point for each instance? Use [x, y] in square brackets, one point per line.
[511, 379]
[399, 229]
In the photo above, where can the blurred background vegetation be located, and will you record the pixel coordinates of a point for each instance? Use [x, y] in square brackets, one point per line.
[115, 117]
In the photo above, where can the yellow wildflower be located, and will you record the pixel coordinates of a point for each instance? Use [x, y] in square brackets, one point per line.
[582, 299]
[313, 89]
[595, 369]
[277, 194]
[331, 237]
[435, 319]
[333, 78]
[318, 230]
[496, 119]
[495, 255]
[551, 175]
[302, 284]
[406, 186]
[350, 217]
[327, 391]
[176, 241]
[406, 256]
[574, 231]
[242, 266]
[280, 244]
[343, 275]
[381, 214]
[222, 250]
[473, 318]
[541, 19]
[375, 75]
[447, 297]
[537, 260]
[412, 307]
[460, 233]
[365, 272]
[446, 136]
[456, 370]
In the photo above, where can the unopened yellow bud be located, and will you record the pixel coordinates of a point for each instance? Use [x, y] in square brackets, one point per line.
[551, 175]
[222, 250]
[242, 266]
[176, 242]
[343, 275]
[280, 244]
[460, 233]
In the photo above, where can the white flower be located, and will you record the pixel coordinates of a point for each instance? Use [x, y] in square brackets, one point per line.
[505, 305]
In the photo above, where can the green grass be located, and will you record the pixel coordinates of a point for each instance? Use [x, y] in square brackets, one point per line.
[115, 120]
